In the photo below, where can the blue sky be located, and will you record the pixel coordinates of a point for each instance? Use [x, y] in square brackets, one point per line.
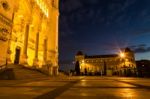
[102, 26]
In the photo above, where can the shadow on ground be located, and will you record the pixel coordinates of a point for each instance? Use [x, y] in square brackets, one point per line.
[7, 74]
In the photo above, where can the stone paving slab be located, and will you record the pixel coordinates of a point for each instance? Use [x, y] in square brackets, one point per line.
[22, 92]
[108, 83]
[104, 93]
[42, 83]
[76, 88]
[140, 82]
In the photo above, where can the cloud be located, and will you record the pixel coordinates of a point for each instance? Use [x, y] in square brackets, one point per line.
[142, 45]
[141, 48]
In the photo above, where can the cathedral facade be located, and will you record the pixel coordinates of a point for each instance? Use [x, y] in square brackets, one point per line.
[121, 64]
[32, 38]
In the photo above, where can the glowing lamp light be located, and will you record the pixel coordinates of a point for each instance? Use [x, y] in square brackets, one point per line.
[122, 55]
[83, 61]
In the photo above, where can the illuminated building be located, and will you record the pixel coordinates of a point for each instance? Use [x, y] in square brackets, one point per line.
[6, 13]
[122, 64]
[34, 35]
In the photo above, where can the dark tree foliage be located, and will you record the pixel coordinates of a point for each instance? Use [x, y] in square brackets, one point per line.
[77, 68]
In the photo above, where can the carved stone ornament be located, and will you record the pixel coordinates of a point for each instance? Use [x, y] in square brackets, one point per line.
[5, 5]
[4, 34]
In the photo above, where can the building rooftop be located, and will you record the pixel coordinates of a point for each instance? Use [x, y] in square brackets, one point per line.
[102, 56]
[126, 49]
[79, 53]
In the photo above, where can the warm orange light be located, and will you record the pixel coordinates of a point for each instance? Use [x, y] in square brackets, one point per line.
[42, 6]
[28, 52]
[122, 55]
[83, 61]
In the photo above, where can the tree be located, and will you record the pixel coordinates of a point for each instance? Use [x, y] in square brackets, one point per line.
[77, 68]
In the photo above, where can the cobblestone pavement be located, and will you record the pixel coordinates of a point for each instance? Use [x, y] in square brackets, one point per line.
[76, 88]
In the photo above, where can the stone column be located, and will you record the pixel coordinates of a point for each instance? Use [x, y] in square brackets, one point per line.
[26, 36]
[36, 50]
[57, 37]
[8, 59]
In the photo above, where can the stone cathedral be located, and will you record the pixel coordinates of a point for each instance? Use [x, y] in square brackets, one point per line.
[29, 34]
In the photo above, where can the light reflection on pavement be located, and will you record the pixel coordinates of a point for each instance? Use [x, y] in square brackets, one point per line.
[77, 88]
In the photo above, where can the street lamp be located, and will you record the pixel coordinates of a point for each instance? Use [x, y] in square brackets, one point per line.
[83, 61]
[122, 55]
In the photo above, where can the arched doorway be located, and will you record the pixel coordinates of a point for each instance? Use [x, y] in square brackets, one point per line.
[17, 55]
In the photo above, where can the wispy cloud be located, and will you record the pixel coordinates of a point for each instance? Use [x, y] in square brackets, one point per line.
[141, 48]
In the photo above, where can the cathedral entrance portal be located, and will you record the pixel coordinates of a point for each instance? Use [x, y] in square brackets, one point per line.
[17, 55]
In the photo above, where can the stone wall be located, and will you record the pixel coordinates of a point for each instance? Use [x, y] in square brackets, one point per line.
[6, 14]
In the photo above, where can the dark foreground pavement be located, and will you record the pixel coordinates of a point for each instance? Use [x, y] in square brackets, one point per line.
[76, 88]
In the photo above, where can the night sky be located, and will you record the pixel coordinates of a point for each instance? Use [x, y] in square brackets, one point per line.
[103, 26]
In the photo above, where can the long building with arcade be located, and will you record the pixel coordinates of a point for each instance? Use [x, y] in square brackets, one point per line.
[121, 64]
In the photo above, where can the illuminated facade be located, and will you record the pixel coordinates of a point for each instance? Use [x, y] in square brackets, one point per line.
[6, 13]
[34, 34]
[122, 64]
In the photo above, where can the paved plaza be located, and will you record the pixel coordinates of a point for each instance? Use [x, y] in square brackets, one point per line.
[78, 87]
